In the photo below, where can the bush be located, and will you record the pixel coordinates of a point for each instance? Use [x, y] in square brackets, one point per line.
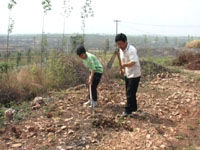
[5, 67]
[60, 72]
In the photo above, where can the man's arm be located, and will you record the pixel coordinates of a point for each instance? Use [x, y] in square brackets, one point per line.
[130, 64]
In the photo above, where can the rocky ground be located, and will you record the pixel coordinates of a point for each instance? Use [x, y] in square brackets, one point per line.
[170, 119]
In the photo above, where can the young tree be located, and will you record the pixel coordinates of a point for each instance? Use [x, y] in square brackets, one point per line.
[67, 9]
[29, 56]
[107, 46]
[46, 8]
[11, 5]
[86, 12]
[18, 58]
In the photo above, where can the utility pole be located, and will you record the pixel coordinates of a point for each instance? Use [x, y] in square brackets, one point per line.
[117, 49]
[117, 22]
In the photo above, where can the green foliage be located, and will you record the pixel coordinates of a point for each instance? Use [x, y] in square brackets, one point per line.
[44, 43]
[5, 67]
[29, 56]
[59, 72]
[11, 25]
[67, 8]
[11, 4]
[64, 42]
[18, 58]
[164, 61]
[46, 5]
[44, 47]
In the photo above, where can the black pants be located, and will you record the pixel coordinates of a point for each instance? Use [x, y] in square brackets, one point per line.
[131, 90]
[95, 82]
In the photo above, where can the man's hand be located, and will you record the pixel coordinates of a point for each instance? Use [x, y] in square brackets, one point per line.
[123, 66]
[130, 64]
[122, 72]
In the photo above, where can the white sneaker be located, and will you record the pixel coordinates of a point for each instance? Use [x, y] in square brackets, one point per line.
[93, 104]
[88, 103]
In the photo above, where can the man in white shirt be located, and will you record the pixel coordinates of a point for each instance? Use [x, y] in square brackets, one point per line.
[130, 68]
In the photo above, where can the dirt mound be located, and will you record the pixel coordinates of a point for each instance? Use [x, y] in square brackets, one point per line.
[152, 69]
[189, 59]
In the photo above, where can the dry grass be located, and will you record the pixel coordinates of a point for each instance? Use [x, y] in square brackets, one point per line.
[193, 44]
[60, 72]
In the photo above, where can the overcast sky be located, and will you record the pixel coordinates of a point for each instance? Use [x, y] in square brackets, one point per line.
[159, 17]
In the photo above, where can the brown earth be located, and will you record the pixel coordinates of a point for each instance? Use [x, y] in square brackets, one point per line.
[170, 119]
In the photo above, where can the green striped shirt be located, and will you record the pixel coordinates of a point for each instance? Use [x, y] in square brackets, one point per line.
[93, 63]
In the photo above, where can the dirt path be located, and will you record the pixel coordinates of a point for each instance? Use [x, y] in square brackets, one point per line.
[170, 119]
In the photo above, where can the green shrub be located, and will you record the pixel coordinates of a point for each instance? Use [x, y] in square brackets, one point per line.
[5, 67]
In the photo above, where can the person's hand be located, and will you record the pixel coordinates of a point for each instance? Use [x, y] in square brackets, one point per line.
[122, 72]
[123, 66]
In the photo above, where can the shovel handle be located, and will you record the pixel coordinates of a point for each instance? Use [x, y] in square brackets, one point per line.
[90, 89]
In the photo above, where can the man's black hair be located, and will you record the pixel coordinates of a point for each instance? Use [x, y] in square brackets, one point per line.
[121, 37]
[81, 50]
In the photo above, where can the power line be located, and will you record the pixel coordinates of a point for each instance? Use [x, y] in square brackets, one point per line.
[156, 25]
[141, 30]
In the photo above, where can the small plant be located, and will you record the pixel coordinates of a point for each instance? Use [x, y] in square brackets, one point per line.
[191, 127]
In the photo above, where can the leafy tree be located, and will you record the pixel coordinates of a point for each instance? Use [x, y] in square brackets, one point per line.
[11, 5]
[29, 56]
[46, 8]
[86, 12]
[67, 9]
[107, 46]
[18, 58]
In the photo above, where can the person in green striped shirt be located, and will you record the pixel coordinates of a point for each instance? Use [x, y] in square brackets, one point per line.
[96, 70]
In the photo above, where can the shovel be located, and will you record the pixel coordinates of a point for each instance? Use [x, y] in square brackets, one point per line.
[90, 96]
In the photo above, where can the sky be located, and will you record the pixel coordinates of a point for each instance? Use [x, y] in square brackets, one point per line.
[138, 17]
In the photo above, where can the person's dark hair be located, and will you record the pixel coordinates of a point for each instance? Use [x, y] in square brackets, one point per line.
[121, 37]
[81, 50]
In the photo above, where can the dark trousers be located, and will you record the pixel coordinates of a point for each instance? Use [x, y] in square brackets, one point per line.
[131, 90]
[95, 82]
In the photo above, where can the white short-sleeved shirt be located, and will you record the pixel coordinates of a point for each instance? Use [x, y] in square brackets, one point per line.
[130, 54]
